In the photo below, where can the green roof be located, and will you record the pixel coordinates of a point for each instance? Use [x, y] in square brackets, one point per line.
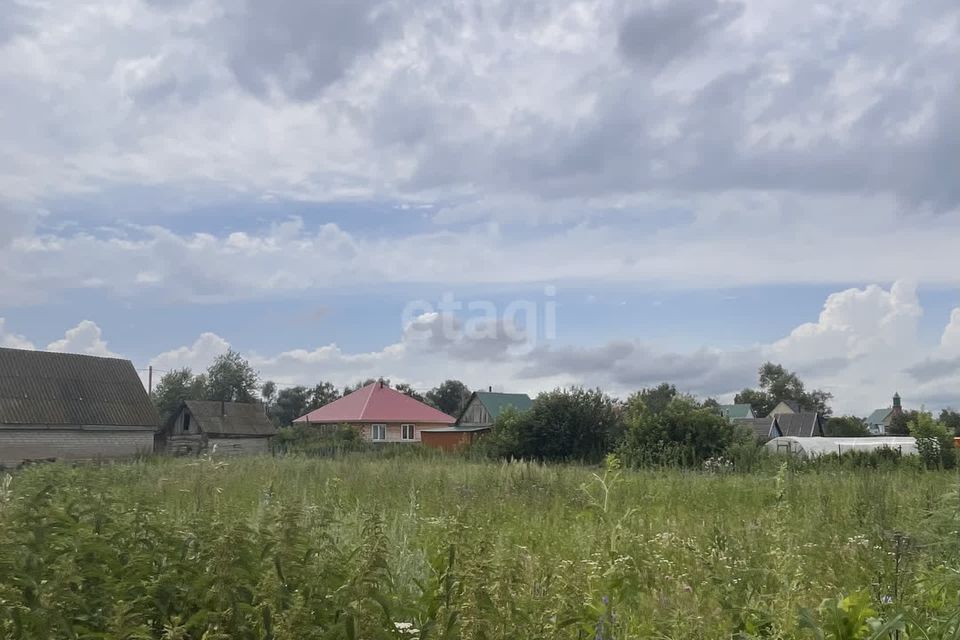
[878, 416]
[736, 411]
[497, 402]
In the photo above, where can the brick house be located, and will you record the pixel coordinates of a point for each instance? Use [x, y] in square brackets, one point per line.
[380, 414]
[63, 406]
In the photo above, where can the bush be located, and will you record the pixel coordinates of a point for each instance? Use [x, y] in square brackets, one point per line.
[934, 442]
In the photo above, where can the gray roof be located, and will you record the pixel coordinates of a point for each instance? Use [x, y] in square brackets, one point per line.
[229, 418]
[804, 424]
[879, 416]
[761, 427]
[40, 388]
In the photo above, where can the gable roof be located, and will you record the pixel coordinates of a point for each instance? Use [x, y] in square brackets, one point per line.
[736, 411]
[228, 418]
[762, 428]
[803, 424]
[41, 388]
[791, 404]
[377, 402]
[879, 415]
[495, 403]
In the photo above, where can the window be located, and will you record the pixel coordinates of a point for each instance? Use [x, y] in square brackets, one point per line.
[186, 423]
[407, 431]
[378, 431]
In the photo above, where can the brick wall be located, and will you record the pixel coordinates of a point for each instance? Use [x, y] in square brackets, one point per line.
[17, 445]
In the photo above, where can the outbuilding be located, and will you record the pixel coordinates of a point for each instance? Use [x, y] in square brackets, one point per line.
[64, 406]
[221, 428]
[812, 447]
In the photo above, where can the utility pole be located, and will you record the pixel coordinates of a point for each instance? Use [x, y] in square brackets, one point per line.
[150, 381]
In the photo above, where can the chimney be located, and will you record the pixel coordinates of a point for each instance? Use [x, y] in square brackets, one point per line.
[381, 383]
[490, 388]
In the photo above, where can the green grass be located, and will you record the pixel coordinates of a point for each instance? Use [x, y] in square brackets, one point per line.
[308, 548]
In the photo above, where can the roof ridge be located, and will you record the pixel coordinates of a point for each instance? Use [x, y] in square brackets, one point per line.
[372, 386]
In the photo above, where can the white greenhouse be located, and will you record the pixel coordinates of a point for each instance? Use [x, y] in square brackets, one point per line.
[814, 447]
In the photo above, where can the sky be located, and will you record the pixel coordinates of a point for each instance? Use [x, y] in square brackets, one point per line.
[518, 195]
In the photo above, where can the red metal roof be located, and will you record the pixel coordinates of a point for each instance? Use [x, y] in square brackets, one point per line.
[377, 403]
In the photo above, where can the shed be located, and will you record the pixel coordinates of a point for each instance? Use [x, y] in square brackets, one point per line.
[222, 428]
[65, 406]
[814, 447]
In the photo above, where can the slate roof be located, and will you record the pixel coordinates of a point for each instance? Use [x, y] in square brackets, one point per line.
[804, 424]
[763, 428]
[376, 403]
[736, 411]
[228, 418]
[878, 416]
[41, 388]
[794, 406]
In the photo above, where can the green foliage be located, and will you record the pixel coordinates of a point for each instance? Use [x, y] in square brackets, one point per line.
[778, 384]
[293, 402]
[293, 547]
[846, 427]
[934, 442]
[175, 387]
[449, 396]
[406, 389]
[682, 433]
[231, 379]
[657, 398]
[565, 424]
[900, 423]
[951, 420]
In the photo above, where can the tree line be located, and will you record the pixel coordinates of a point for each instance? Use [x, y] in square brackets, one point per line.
[231, 378]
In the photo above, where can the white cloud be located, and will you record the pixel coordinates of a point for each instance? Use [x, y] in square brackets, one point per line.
[86, 338]
[196, 357]
[12, 340]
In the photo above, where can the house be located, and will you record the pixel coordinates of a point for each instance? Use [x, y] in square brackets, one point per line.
[785, 407]
[736, 411]
[477, 417]
[763, 429]
[880, 420]
[221, 428]
[804, 424]
[381, 414]
[64, 406]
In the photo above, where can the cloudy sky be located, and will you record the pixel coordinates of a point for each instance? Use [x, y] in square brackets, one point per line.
[666, 190]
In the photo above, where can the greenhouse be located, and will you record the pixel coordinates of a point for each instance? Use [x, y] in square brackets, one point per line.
[814, 447]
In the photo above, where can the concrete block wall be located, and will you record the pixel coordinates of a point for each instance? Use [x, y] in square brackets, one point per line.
[17, 445]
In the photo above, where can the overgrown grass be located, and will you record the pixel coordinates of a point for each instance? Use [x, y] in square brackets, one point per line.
[360, 548]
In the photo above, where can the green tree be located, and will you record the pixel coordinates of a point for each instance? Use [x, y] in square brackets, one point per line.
[231, 379]
[657, 398]
[778, 384]
[175, 387]
[407, 390]
[449, 396]
[846, 427]
[934, 441]
[322, 394]
[900, 423]
[350, 388]
[682, 433]
[294, 402]
[562, 425]
[951, 420]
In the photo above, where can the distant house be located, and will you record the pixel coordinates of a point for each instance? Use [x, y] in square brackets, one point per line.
[763, 429]
[63, 406]
[381, 414]
[736, 411]
[221, 428]
[478, 416]
[880, 420]
[804, 424]
[785, 407]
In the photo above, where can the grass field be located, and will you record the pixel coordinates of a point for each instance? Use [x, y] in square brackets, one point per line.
[416, 548]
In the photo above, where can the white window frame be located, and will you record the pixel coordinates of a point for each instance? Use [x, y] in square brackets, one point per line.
[403, 432]
[383, 432]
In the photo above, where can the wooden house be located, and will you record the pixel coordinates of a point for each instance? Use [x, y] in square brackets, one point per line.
[380, 414]
[64, 406]
[219, 428]
[477, 417]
